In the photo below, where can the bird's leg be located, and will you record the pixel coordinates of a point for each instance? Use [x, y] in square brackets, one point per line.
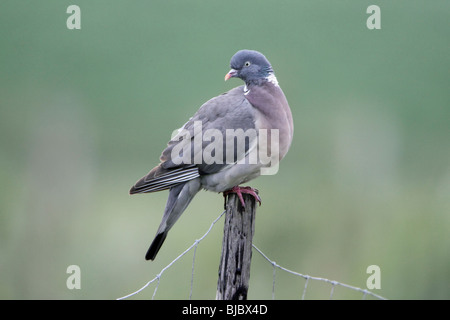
[240, 190]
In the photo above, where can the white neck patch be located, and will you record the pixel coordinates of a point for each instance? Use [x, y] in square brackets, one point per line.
[272, 79]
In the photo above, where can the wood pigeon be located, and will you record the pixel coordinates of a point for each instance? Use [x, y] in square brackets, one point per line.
[230, 140]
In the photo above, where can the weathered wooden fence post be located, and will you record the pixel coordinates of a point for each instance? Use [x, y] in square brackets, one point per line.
[239, 227]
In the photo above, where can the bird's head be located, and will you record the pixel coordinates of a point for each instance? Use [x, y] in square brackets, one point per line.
[250, 66]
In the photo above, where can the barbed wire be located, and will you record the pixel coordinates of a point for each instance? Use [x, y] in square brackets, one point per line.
[158, 276]
[275, 266]
[333, 283]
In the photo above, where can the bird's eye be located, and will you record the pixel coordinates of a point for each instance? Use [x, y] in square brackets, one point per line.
[247, 64]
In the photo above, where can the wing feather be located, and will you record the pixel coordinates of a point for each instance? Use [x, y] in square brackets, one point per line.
[164, 181]
[230, 110]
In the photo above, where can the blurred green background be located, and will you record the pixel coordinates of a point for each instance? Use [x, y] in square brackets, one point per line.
[85, 113]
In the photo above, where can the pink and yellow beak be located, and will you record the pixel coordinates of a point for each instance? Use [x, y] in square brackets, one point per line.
[232, 73]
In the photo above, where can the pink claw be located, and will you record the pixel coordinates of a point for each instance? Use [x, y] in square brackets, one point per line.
[240, 190]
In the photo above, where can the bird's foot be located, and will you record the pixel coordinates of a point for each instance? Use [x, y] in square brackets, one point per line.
[240, 190]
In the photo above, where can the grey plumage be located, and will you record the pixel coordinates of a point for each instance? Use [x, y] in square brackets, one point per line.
[260, 104]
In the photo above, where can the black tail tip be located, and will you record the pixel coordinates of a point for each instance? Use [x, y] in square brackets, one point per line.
[155, 246]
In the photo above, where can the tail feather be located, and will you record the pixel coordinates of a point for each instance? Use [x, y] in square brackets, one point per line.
[155, 246]
[179, 198]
